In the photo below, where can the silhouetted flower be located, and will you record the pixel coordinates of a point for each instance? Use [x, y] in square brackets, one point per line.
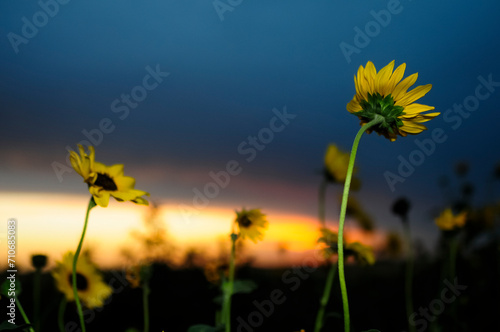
[362, 254]
[401, 207]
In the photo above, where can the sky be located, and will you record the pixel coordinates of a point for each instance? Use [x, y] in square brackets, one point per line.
[178, 91]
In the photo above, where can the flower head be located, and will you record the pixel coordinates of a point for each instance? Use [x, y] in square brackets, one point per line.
[91, 288]
[336, 162]
[384, 94]
[330, 239]
[251, 224]
[362, 254]
[447, 221]
[105, 181]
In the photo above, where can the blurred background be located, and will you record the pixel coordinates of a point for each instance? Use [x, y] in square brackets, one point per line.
[179, 91]
[175, 91]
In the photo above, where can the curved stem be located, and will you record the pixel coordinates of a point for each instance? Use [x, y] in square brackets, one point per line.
[75, 260]
[60, 314]
[409, 276]
[321, 203]
[228, 292]
[325, 298]
[345, 196]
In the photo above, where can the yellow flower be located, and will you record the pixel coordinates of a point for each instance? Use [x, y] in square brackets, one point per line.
[216, 269]
[251, 224]
[384, 93]
[92, 291]
[447, 221]
[363, 254]
[105, 181]
[330, 239]
[336, 162]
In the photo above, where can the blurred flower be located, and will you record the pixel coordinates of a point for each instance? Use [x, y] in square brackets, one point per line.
[329, 238]
[39, 261]
[216, 270]
[362, 254]
[105, 181]
[355, 210]
[393, 244]
[133, 276]
[496, 171]
[91, 288]
[462, 168]
[251, 224]
[446, 221]
[382, 93]
[336, 163]
[401, 207]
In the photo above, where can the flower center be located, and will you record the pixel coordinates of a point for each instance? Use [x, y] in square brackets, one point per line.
[81, 281]
[106, 182]
[244, 221]
[384, 106]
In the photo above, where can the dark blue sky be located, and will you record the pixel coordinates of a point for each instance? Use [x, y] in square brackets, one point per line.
[225, 78]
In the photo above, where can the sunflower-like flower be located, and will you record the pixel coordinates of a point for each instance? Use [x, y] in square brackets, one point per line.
[105, 181]
[446, 221]
[251, 224]
[330, 239]
[91, 288]
[362, 254]
[384, 94]
[336, 164]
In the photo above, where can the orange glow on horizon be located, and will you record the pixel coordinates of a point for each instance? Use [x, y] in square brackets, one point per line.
[51, 224]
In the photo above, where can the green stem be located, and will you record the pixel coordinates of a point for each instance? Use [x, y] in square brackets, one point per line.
[60, 314]
[325, 298]
[145, 295]
[228, 292]
[321, 202]
[345, 196]
[409, 276]
[75, 260]
[36, 299]
[23, 314]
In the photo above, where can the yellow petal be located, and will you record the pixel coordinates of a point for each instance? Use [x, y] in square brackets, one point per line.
[395, 78]
[382, 78]
[414, 94]
[354, 106]
[412, 127]
[403, 86]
